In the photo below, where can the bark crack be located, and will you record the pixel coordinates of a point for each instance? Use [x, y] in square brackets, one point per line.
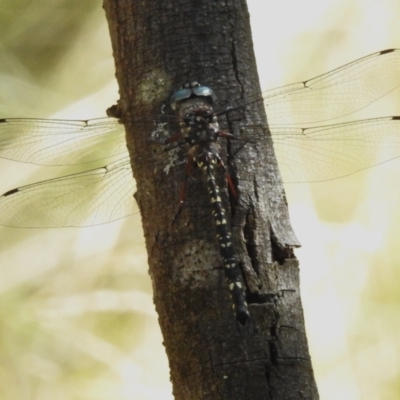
[233, 50]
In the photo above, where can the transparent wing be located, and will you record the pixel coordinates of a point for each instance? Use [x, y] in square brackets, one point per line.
[89, 198]
[334, 94]
[310, 154]
[105, 194]
[333, 151]
[60, 142]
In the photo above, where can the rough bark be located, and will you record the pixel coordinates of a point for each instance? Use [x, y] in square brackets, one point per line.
[158, 45]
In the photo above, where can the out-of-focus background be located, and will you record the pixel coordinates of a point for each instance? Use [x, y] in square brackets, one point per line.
[76, 314]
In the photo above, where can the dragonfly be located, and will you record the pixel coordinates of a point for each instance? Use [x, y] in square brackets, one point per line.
[307, 148]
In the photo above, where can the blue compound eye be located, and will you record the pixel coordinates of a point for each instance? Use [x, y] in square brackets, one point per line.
[180, 95]
[191, 90]
[204, 91]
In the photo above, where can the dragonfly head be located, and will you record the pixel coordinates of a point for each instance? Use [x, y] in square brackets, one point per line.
[191, 90]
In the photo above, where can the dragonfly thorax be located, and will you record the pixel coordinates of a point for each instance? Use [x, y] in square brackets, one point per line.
[199, 123]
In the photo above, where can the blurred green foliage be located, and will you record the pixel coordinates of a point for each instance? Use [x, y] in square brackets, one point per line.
[38, 34]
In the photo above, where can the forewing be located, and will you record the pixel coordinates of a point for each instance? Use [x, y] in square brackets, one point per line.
[60, 142]
[337, 93]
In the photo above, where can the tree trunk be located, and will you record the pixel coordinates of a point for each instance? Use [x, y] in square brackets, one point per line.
[159, 45]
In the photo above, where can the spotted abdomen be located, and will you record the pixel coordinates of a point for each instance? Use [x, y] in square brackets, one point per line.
[229, 259]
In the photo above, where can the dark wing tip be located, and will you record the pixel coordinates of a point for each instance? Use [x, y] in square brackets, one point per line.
[10, 192]
[386, 51]
[396, 118]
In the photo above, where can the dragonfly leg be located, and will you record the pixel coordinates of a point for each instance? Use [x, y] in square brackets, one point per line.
[228, 178]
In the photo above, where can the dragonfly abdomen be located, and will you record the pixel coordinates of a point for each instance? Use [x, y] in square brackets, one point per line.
[226, 249]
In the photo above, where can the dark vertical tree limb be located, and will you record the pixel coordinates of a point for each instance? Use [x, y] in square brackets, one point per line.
[158, 45]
